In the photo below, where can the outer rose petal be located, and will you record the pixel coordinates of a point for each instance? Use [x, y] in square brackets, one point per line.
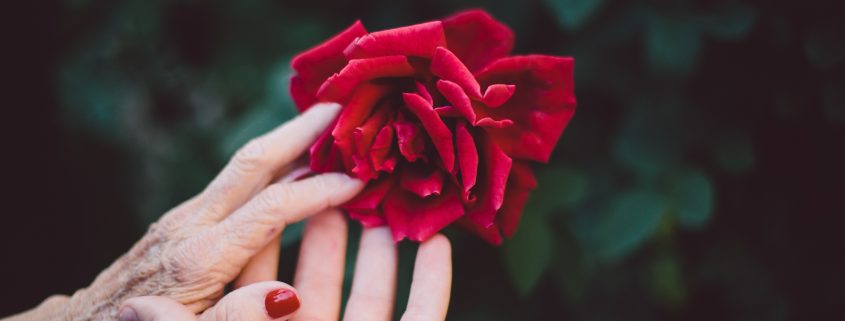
[339, 85]
[416, 40]
[366, 206]
[541, 106]
[318, 63]
[520, 184]
[467, 159]
[416, 218]
[490, 234]
[476, 38]
[493, 178]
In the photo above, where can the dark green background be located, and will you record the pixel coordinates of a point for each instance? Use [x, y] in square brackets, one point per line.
[699, 180]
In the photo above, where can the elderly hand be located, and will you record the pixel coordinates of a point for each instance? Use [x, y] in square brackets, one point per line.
[229, 231]
[319, 279]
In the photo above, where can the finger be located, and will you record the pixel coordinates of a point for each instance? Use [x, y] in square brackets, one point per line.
[432, 281]
[154, 308]
[255, 164]
[252, 226]
[264, 266]
[374, 284]
[269, 300]
[319, 272]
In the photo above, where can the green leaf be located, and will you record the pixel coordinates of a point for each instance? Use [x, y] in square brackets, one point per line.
[556, 188]
[648, 143]
[630, 220]
[730, 23]
[528, 254]
[673, 43]
[573, 14]
[693, 197]
[569, 266]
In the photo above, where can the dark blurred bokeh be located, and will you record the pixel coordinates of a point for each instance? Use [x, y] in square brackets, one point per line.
[700, 178]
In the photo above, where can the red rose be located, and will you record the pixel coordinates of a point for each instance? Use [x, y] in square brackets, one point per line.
[439, 121]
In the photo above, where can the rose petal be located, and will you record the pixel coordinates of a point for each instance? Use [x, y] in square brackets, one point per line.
[368, 218]
[520, 184]
[434, 126]
[325, 157]
[541, 106]
[410, 140]
[490, 234]
[476, 38]
[416, 218]
[380, 151]
[492, 123]
[357, 71]
[448, 111]
[447, 66]
[467, 159]
[416, 40]
[424, 181]
[365, 207]
[493, 178]
[422, 91]
[498, 94]
[456, 95]
[346, 148]
[360, 105]
[372, 195]
[315, 65]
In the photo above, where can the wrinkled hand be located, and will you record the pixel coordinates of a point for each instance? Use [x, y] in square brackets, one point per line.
[319, 279]
[202, 245]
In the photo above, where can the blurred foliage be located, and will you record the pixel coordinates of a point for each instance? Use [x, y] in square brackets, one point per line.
[640, 213]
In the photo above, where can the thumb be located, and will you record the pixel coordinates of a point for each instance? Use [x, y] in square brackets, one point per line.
[270, 300]
[154, 308]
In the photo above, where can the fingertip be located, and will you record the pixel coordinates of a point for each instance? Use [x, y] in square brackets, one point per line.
[324, 108]
[342, 187]
[127, 313]
[153, 308]
[437, 243]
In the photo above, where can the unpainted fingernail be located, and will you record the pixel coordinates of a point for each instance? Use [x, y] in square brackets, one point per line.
[280, 303]
[127, 314]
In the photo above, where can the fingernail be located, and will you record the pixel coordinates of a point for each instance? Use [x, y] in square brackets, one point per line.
[127, 314]
[280, 303]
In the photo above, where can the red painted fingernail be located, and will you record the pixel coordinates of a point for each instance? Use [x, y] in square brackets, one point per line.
[280, 303]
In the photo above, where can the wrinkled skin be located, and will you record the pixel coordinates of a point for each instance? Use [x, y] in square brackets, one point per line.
[211, 240]
[438, 120]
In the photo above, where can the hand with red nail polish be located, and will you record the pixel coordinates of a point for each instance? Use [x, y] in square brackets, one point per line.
[229, 235]
[226, 235]
[259, 301]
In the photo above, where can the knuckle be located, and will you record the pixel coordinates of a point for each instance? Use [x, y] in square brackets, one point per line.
[189, 262]
[251, 157]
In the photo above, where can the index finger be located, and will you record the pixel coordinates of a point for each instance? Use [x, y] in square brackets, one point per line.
[255, 164]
